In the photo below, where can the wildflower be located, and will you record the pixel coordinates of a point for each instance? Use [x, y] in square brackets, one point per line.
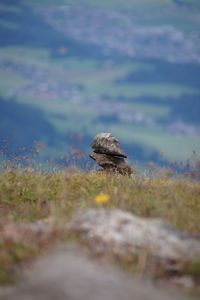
[102, 198]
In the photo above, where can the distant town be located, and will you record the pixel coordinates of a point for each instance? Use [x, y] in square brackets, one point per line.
[41, 86]
[116, 31]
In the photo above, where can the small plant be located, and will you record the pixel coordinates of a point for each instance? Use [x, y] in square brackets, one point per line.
[102, 198]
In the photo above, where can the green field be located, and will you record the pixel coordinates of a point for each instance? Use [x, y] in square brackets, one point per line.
[37, 206]
[76, 91]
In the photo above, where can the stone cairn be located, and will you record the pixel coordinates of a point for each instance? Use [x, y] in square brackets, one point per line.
[108, 154]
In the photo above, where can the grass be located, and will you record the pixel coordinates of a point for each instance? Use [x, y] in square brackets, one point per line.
[10, 80]
[23, 193]
[26, 55]
[172, 147]
[141, 90]
[28, 195]
[8, 24]
[151, 110]
[10, 8]
[95, 78]
[101, 81]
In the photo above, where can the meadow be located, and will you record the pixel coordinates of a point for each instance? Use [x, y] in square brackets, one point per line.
[32, 199]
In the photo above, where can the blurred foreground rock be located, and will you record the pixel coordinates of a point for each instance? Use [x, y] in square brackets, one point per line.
[68, 275]
[38, 232]
[108, 154]
[124, 234]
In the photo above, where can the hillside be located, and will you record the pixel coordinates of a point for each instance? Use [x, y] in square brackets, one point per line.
[36, 209]
[71, 69]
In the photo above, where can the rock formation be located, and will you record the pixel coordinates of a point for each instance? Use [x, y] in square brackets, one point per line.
[108, 154]
[122, 233]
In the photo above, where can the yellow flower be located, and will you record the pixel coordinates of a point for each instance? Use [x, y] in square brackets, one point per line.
[102, 198]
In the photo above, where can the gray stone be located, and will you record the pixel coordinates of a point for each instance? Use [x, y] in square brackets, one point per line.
[108, 154]
[123, 233]
[106, 143]
[68, 275]
[112, 163]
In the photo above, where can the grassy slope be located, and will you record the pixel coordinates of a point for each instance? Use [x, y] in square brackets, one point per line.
[63, 115]
[28, 196]
[173, 148]
[22, 192]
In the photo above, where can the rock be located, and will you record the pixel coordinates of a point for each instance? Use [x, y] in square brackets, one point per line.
[185, 282]
[112, 163]
[108, 154]
[27, 232]
[68, 275]
[106, 143]
[123, 233]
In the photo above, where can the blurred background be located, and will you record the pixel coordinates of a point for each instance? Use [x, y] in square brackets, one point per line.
[72, 68]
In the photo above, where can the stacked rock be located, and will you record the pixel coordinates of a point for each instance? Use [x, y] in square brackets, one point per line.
[107, 152]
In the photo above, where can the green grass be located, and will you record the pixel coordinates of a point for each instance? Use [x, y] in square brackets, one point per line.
[71, 115]
[10, 8]
[94, 77]
[28, 196]
[23, 193]
[100, 80]
[171, 147]
[9, 81]
[151, 109]
[8, 24]
[161, 91]
[24, 55]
